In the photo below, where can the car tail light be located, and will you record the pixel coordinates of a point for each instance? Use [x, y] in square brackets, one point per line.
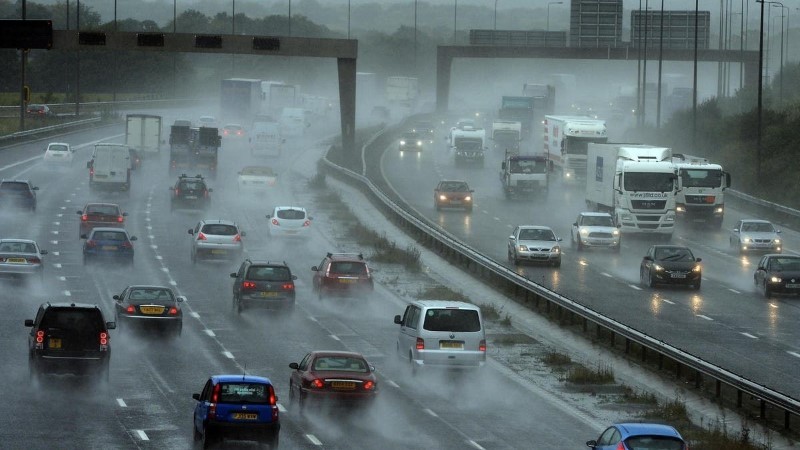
[39, 339]
[621, 446]
[420, 344]
[127, 244]
[103, 340]
[239, 132]
[212, 408]
[84, 217]
[369, 385]
[275, 222]
[130, 309]
[237, 238]
[317, 383]
[248, 285]
[201, 236]
[225, 132]
[91, 243]
[273, 399]
[91, 171]
[173, 311]
[215, 394]
[120, 219]
[307, 223]
[288, 286]
[34, 260]
[482, 345]
[205, 193]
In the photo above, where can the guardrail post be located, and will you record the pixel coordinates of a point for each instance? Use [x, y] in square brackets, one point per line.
[762, 409]
[698, 378]
[644, 354]
[627, 346]
[678, 370]
[786, 419]
[739, 398]
[718, 389]
[660, 361]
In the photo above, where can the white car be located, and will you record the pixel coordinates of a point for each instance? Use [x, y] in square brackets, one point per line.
[756, 235]
[534, 243]
[207, 121]
[58, 153]
[595, 229]
[289, 221]
[256, 179]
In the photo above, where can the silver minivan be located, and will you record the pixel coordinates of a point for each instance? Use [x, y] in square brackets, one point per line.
[442, 333]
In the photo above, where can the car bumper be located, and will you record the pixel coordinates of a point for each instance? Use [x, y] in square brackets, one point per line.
[340, 397]
[593, 242]
[544, 257]
[761, 248]
[20, 269]
[244, 431]
[666, 277]
[257, 301]
[77, 365]
[450, 359]
[219, 251]
[784, 287]
[288, 232]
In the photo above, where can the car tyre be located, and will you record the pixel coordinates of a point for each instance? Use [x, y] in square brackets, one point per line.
[650, 281]
[412, 364]
[696, 285]
[557, 264]
[579, 245]
[617, 248]
[766, 290]
[208, 439]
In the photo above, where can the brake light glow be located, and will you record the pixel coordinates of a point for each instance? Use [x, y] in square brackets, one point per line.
[84, 218]
[130, 309]
[103, 338]
[39, 337]
[482, 345]
[420, 344]
[177, 191]
[288, 286]
[237, 238]
[621, 446]
[275, 222]
[127, 244]
[205, 193]
[307, 223]
[201, 236]
[248, 285]
[212, 408]
[173, 311]
[34, 260]
[91, 243]
[120, 219]
[369, 385]
[273, 399]
[215, 394]
[317, 383]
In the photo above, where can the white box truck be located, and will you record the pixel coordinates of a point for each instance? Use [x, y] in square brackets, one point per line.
[701, 190]
[110, 168]
[468, 145]
[143, 134]
[402, 90]
[265, 139]
[506, 135]
[636, 184]
[565, 142]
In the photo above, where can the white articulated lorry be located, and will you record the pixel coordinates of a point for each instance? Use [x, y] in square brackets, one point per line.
[636, 184]
[143, 134]
[701, 193]
[565, 142]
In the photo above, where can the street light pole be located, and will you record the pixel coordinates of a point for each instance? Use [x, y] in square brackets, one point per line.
[644, 64]
[694, 77]
[660, 62]
[547, 32]
[290, 17]
[760, 91]
[455, 21]
[495, 15]
[348, 19]
[415, 36]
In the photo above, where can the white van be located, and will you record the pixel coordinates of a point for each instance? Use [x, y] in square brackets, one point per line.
[293, 121]
[442, 333]
[265, 139]
[110, 167]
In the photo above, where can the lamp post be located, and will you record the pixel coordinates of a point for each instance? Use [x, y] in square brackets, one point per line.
[780, 70]
[760, 90]
[660, 63]
[415, 36]
[455, 23]
[495, 15]
[290, 17]
[348, 19]
[547, 32]
[233, 17]
[694, 77]
[644, 65]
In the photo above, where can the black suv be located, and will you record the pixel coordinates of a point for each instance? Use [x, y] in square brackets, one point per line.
[190, 192]
[69, 338]
[263, 284]
[18, 193]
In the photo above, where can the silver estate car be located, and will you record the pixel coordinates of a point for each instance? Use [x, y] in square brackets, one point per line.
[216, 239]
[21, 258]
[534, 243]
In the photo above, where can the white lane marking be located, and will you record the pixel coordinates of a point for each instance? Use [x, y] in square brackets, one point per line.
[68, 200]
[313, 439]
[57, 265]
[194, 314]
[734, 291]
[62, 278]
[165, 269]
[704, 317]
[173, 283]
[795, 354]
[475, 444]
[497, 219]
[54, 242]
[149, 228]
[121, 403]
[159, 257]
[430, 412]
[750, 335]
[153, 246]
[608, 275]
[666, 300]
[54, 231]
[68, 293]
[56, 223]
[392, 384]
[311, 318]
[55, 253]
[209, 332]
[336, 338]
[151, 236]
[147, 219]
[635, 287]
[59, 215]
[228, 354]
[142, 435]
[281, 408]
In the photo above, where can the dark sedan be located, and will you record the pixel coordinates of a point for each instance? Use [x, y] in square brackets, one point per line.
[335, 376]
[151, 306]
[110, 244]
[778, 273]
[670, 264]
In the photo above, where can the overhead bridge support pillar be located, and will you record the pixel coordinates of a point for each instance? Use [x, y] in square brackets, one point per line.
[347, 103]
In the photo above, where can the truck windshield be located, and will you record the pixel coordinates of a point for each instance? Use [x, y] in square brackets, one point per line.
[467, 144]
[707, 178]
[579, 145]
[648, 182]
[506, 135]
[528, 166]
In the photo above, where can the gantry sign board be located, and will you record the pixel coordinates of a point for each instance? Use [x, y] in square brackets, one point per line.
[26, 34]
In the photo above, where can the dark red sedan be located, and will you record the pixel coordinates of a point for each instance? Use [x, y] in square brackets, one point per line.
[336, 377]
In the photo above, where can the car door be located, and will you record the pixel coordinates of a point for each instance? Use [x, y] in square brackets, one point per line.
[321, 269]
[201, 408]
[761, 270]
[119, 303]
[296, 378]
[237, 282]
[407, 336]
[736, 233]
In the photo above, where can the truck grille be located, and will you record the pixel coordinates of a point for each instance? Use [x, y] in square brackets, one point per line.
[648, 204]
[647, 218]
[700, 199]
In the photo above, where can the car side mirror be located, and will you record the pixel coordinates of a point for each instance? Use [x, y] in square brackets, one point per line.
[398, 320]
[648, 258]
[116, 297]
[233, 275]
[124, 214]
[43, 252]
[777, 231]
[111, 325]
[196, 396]
[511, 237]
[83, 236]
[574, 224]
[294, 277]
[294, 366]
[268, 216]
[471, 190]
[191, 231]
[80, 213]
[698, 259]
[314, 268]
[35, 188]
[28, 322]
[210, 190]
[180, 299]
[88, 164]
[310, 218]
[134, 238]
[559, 239]
[242, 233]
[735, 230]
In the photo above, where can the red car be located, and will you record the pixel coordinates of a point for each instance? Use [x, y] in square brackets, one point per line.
[100, 215]
[343, 378]
[342, 274]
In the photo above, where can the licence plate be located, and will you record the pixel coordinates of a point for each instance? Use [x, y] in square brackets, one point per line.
[54, 343]
[109, 247]
[677, 275]
[343, 385]
[792, 285]
[217, 252]
[191, 197]
[244, 416]
[451, 345]
[16, 260]
[151, 309]
[346, 280]
[455, 202]
[269, 294]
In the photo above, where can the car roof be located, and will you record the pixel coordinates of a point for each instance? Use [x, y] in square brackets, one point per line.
[147, 286]
[109, 229]
[218, 222]
[781, 255]
[70, 305]
[671, 246]
[453, 181]
[27, 241]
[232, 125]
[756, 221]
[101, 204]
[280, 208]
[636, 429]
[337, 353]
[15, 181]
[446, 304]
[264, 262]
[534, 227]
[240, 378]
[58, 143]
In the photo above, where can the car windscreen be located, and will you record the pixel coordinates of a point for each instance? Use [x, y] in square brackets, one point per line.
[243, 393]
[654, 443]
[157, 295]
[454, 187]
[340, 364]
[451, 319]
[348, 268]
[268, 273]
[597, 221]
[219, 229]
[192, 186]
[291, 214]
[109, 236]
[761, 227]
[536, 235]
[58, 148]
[73, 319]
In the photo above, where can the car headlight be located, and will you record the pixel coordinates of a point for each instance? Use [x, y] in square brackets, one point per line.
[657, 268]
[402, 142]
[774, 279]
[747, 240]
[468, 199]
[522, 248]
[442, 197]
[680, 208]
[718, 210]
[777, 241]
[584, 232]
[615, 233]
[555, 249]
[696, 269]
[419, 143]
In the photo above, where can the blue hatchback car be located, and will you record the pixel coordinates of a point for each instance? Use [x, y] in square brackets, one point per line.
[631, 436]
[242, 407]
[114, 244]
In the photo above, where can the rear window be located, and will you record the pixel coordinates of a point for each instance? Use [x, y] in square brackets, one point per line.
[160, 295]
[72, 319]
[340, 364]
[291, 214]
[14, 186]
[654, 443]
[193, 185]
[257, 170]
[58, 148]
[17, 247]
[268, 273]
[243, 393]
[109, 236]
[220, 229]
[348, 268]
[105, 210]
[447, 319]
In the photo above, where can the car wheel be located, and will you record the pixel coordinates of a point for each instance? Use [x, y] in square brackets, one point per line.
[579, 244]
[196, 435]
[557, 264]
[33, 371]
[468, 209]
[696, 285]
[274, 441]
[650, 281]
[239, 307]
[438, 206]
[766, 290]
[209, 440]
[617, 248]
[176, 333]
[515, 259]
[412, 364]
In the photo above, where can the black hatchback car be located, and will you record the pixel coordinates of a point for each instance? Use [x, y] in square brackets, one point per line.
[69, 338]
[18, 193]
[778, 273]
[670, 264]
[190, 192]
[263, 284]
